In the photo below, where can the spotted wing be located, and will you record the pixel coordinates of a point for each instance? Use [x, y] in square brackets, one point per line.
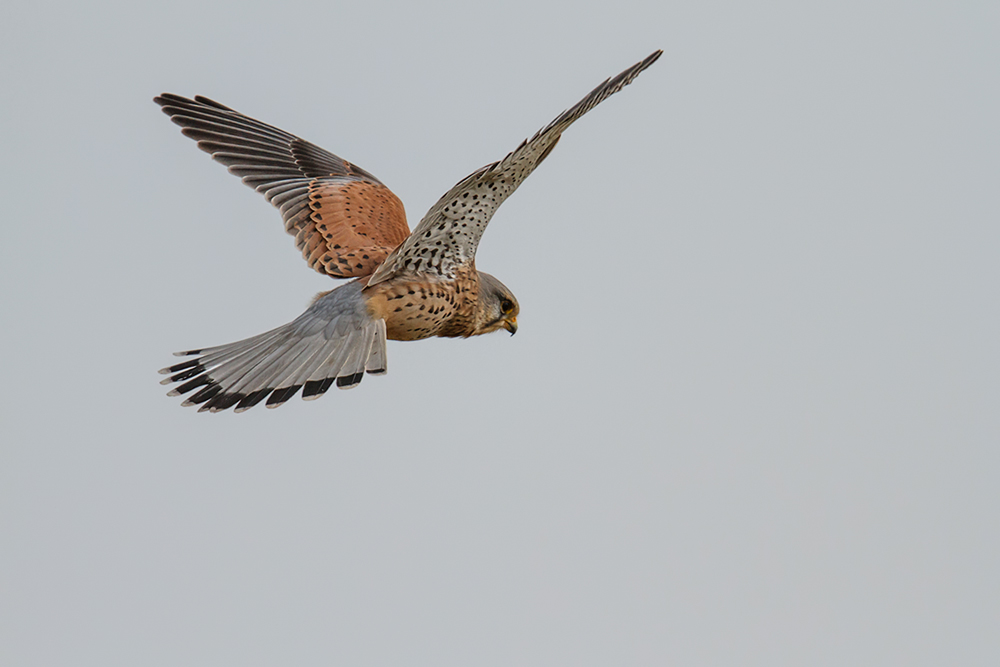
[344, 220]
[447, 237]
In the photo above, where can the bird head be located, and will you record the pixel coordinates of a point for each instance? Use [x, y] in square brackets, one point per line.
[498, 307]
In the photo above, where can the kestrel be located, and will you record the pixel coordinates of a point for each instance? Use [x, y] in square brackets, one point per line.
[406, 286]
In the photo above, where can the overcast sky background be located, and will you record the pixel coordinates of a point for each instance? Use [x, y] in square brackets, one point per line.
[750, 416]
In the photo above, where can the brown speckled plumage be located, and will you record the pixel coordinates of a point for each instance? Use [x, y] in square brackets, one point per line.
[352, 227]
[348, 224]
[415, 308]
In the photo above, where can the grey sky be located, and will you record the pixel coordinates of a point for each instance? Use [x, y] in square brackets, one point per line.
[750, 416]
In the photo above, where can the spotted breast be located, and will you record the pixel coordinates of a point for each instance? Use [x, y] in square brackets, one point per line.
[421, 307]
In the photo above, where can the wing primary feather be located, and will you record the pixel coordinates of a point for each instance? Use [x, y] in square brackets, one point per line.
[455, 224]
[207, 131]
[360, 215]
[192, 114]
[210, 102]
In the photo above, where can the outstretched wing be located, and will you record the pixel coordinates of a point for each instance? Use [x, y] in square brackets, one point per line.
[344, 220]
[447, 237]
[335, 341]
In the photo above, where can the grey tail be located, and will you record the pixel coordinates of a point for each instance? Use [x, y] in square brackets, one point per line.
[334, 341]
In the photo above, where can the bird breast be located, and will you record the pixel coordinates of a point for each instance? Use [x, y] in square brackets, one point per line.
[417, 307]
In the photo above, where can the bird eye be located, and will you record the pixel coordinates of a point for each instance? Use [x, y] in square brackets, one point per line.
[506, 306]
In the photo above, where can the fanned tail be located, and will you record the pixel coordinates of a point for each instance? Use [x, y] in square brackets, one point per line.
[334, 341]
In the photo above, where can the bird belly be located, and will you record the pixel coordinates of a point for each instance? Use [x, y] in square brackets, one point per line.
[413, 310]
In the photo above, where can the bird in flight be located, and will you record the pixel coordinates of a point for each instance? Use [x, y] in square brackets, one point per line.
[406, 285]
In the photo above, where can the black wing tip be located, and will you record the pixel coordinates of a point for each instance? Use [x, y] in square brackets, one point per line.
[628, 75]
[171, 99]
[644, 63]
[163, 99]
[209, 102]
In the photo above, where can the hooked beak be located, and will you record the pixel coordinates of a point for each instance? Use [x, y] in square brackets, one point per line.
[511, 325]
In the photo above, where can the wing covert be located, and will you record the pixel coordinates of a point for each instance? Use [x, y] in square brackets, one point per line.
[448, 235]
[344, 220]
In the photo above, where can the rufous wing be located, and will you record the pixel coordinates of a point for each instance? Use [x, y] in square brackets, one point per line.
[344, 220]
